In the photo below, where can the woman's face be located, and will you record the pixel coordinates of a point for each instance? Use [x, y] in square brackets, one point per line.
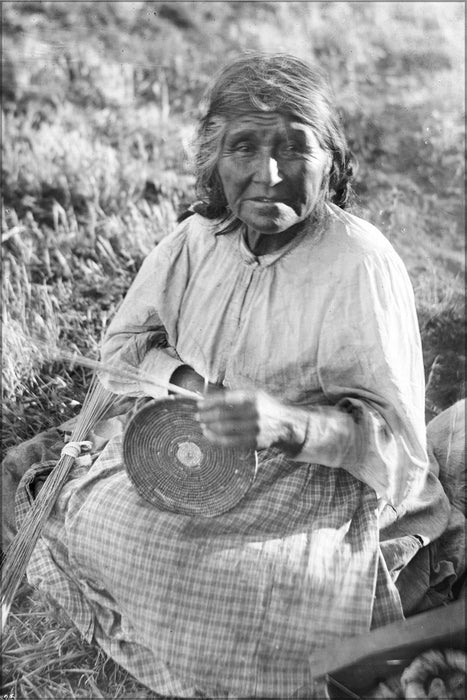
[271, 168]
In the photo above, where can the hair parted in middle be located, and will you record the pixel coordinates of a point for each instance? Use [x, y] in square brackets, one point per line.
[258, 82]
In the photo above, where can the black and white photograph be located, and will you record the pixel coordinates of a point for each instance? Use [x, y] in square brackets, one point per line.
[233, 350]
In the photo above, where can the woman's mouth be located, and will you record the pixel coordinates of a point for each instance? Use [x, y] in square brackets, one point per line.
[266, 200]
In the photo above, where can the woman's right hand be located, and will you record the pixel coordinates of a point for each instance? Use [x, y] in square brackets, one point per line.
[186, 378]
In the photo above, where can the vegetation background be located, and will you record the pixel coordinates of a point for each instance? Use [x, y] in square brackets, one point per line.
[99, 102]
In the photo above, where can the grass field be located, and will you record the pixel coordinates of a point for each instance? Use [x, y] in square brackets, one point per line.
[99, 102]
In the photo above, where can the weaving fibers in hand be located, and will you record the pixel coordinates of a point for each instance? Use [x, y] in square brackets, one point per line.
[173, 466]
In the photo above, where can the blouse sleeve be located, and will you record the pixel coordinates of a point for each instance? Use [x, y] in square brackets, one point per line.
[370, 369]
[137, 340]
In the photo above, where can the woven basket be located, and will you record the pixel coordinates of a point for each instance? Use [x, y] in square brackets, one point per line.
[174, 467]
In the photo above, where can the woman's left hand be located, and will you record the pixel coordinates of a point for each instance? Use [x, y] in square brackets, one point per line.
[251, 420]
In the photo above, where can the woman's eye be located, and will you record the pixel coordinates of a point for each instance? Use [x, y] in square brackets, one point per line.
[291, 149]
[243, 147]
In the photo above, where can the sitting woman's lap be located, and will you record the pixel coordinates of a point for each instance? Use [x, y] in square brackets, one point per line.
[251, 592]
[293, 565]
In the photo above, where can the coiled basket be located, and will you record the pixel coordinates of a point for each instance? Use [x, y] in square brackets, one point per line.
[174, 467]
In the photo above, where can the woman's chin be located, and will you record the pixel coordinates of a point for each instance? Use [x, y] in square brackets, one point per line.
[268, 217]
[272, 225]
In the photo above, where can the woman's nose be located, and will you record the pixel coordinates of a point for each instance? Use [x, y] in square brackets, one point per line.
[268, 171]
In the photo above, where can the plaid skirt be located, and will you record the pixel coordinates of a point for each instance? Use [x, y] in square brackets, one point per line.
[238, 605]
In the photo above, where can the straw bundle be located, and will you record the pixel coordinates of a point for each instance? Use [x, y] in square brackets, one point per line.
[98, 400]
[17, 556]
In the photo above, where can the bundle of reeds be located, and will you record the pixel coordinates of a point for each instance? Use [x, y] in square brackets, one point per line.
[97, 402]
[17, 556]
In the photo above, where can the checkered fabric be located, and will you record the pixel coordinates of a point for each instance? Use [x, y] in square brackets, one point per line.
[231, 606]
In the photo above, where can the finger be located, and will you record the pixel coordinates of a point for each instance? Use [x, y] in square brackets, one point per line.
[236, 441]
[220, 405]
[227, 414]
[244, 427]
[227, 409]
[232, 398]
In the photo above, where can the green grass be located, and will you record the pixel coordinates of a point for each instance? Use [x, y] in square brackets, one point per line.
[99, 104]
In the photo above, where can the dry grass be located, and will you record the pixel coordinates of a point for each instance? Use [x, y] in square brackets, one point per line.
[99, 101]
[44, 656]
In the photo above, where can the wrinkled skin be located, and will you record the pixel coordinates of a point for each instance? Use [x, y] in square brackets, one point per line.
[251, 420]
[271, 169]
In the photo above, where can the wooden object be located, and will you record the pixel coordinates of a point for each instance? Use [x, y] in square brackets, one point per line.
[359, 663]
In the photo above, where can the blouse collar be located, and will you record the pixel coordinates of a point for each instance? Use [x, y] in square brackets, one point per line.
[268, 258]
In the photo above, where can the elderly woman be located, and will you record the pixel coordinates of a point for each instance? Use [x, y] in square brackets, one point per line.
[302, 316]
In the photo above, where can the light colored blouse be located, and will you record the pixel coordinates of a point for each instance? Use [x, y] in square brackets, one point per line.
[327, 323]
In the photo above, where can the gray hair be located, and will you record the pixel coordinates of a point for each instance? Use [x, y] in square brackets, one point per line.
[269, 83]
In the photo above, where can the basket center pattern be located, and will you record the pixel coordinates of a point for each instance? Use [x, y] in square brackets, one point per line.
[189, 454]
